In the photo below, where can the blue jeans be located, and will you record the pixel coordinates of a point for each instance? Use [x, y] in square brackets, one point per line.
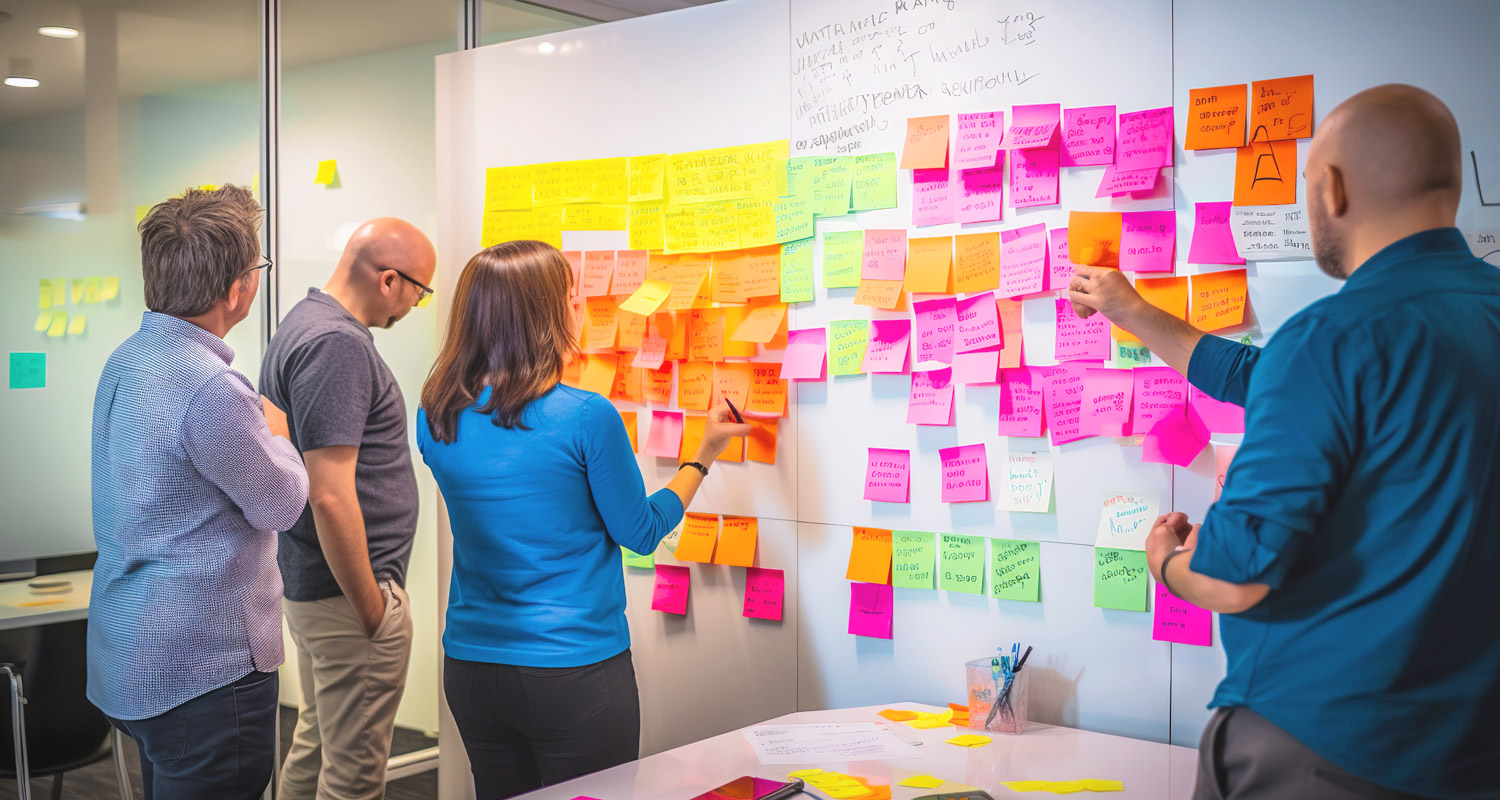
[217, 746]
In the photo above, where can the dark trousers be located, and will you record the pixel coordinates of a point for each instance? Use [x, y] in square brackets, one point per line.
[1244, 756]
[527, 727]
[217, 746]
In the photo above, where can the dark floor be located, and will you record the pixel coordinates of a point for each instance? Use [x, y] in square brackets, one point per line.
[97, 782]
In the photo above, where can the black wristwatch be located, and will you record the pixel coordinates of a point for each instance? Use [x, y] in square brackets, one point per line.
[694, 465]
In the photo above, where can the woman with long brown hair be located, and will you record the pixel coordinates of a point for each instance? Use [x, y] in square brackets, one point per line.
[542, 489]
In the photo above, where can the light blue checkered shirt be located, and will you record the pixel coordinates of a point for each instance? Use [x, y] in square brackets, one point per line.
[189, 487]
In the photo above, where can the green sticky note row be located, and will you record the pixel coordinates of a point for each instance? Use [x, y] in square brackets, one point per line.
[1120, 579]
[794, 218]
[913, 560]
[843, 255]
[962, 561]
[1129, 356]
[1015, 570]
[28, 370]
[797, 271]
[847, 339]
[634, 559]
[874, 181]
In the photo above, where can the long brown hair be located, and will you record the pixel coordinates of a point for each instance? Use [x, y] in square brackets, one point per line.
[509, 329]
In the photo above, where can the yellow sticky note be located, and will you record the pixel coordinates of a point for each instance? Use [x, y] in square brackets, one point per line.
[594, 217]
[59, 324]
[77, 290]
[938, 720]
[803, 773]
[59, 292]
[44, 294]
[77, 324]
[970, 740]
[847, 792]
[93, 290]
[141, 212]
[328, 172]
[1094, 785]
[109, 289]
[922, 782]
[507, 188]
[43, 321]
[647, 298]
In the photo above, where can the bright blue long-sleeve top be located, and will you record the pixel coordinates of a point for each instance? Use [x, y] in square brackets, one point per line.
[1366, 494]
[538, 519]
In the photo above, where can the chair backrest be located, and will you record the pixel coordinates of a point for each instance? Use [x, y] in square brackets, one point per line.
[62, 726]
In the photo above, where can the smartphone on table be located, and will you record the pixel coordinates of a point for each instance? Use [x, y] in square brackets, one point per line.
[752, 788]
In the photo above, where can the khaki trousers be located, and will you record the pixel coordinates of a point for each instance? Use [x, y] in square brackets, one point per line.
[351, 686]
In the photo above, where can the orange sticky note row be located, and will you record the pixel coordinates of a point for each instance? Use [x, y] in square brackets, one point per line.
[1218, 300]
[1094, 238]
[1216, 117]
[737, 539]
[700, 534]
[870, 556]
[1168, 294]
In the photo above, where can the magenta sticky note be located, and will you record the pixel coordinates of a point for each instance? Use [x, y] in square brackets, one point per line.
[1032, 126]
[870, 609]
[1088, 136]
[665, 438]
[1023, 260]
[978, 141]
[1176, 438]
[1212, 241]
[1106, 401]
[933, 200]
[806, 357]
[1178, 621]
[1223, 457]
[1145, 140]
[1158, 392]
[1116, 182]
[1064, 402]
[1080, 339]
[1020, 402]
[937, 323]
[1219, 416]
[1148, 240]
[966, 473]
[888, 475]
[884, 255]
[765, 590]
[981, 195]
[931, 399]
[671, 593]
[978, 324]
[1033, 177]
[890, 342]
[1059, 266]
[980, 367]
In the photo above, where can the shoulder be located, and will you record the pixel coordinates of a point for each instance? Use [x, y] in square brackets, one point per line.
[223, 389]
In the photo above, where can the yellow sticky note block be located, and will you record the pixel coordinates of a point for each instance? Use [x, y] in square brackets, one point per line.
[328, 172]
[680, 229]
[59, 292]
[646, 177]
[938, 720]
[141, 212]
[645, 224]
[44, 294]
[970, 740]
[76, 286]
[93, 290]
[43, 321]
[59, 324]
[1095, 785]
[507, 188]
[594, 217]
[737, 542]
[803, 773]
[700, 533]
[76, 324]
[922, 782]
[728, 173]
[897, 715]
[647, 299]
[109, 289]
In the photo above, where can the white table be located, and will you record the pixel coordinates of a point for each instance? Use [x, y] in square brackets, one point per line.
[1149, 770]
[22, 608]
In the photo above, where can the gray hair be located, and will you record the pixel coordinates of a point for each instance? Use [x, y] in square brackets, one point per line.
[194, 247]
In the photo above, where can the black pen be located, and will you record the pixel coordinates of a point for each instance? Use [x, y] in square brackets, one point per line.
[735, 411]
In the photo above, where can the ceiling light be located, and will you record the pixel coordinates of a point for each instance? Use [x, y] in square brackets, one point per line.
[22, 82]
[58, 32]
[545, 47]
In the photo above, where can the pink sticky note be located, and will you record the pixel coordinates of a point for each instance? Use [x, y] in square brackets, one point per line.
[764, 592]
[1212, 241]
[981, 194]
[671, 594]
[966, 473]
[1080, 339]
[1059, 266]
[884, 255]
[1148, 240]
[1032, 126]
[1106, 401]
[1223, 457]
[937, 322]
[1088, 136]
[978, 324]
[1116, 182]
[1033, 177]
[1176, 438]
[870, 606]
[1064, 402]
[1023, 260]
[1219, 416]
[980, 367]
[931, 398]
[979, 138]
[665, 438]
[806, 356]
[890, 342]
[933, 200]
[1020, 402]
[1158, 392]
[1145, 140]
[888, 475]
[1177, 620]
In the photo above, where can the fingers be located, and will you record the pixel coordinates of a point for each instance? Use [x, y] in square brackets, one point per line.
[1081, 305]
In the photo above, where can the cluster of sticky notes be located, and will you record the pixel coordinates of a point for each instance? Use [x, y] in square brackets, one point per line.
[840, 786]
[55, 294]
[713, 539]
[949, 561]
[1065, 787]
[1265, 144]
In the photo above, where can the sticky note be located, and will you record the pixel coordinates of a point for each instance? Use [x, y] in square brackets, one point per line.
[884, 256]
[44, 294]
[970, 740]
[1063, 393]
[937, 324]
[976, 368]
[1217, 415]
[929, 264]
[1107, 401]
[765, 589]
[1033, 177]
[1120, 579]
[59, 292]
[1015, 570]
[1271, 233]
[1023, 260]
[76, 324]
[1217, 300]
[847, 340]
[638, 560]
[832, 189]
[980, 195]
[1216, 117]
[1115, 182]
[879, 294]
[966, 473]
[930, 401]
[93, 290]
[843, 254]
[793, 216]
[601, 323]
[978, 324]
[898, 715]
[1176, 438]
[76, 287]
[803, 773]
[1213, 242]
[28, 371]
[761, 446]
[1065, 787]
[927, 721]
[1094, 237]
[1281, 109]
[327, 174]
[737, 538]
[1029, 479]
[1147, 240]
[1157, 393]
[1265, 174]
[870, 607]
[665, 437]
[1129, 355]
[870, 556]
[934, 199]
[1032, 126]
[806, 355]
[763, 320]
[700, 533]
[767, 390]
[695, 385]
[926, 143]
[1145, 140]
[1059, 266]
[889, 346]
[671, 592]
[1223, 457]
[658, 384]
[1176, 620]
[922, 782]
[43, 321]
[913, 560]
[648, 298]
[874, 182]
[1080, 339]
[1020, 403]
[976, 261]
[59, 325]
[888, 475]
[962, 561]
[1088, 136]
[1125, 518]
[141, 212]
[797, 271]
[978, 139]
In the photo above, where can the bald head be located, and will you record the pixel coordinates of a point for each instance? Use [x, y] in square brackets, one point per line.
[377, 276]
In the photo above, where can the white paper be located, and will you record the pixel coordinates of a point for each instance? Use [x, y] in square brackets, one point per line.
[831, 741]
[1029, 487]
[1271, 233]
[1125, 519]
[1485, 245]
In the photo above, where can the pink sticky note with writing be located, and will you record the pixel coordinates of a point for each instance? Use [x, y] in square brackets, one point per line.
[1212, 241]
[870, 606]
[1023, 260]
[937, 323]
[1176, 438]
[806, 357]
[981, 194]
[888, 475]
[884, 255]
[1176, 620]
[1088, 136]
[1064, 402]
[1116, 182]
[966, 473]
[1059, 266]
[979, 138]
[1106, 401]
[931, 398]
[933, 200]
[1223, 457]
[890, 342]
[1148, 240]
[978, 324]
[1032, 126]
[1219, 416]
[1020, 402]
[671, 593]
[1033, 177]
[665, 438]
[764, 592]
[980, 367]
[1158, 392]
[1080, 339]
[1145, 140]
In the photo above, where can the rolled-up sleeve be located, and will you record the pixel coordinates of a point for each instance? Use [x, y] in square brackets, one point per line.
[225, 436]
[632, 519]
[1221, 369]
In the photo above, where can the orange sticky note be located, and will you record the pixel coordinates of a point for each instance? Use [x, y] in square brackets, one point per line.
[763, 319]
[1216, 117]
[897, 715]
[692, 436]
[929, 263]
[657, 385]
[695, 382]
[630, 271]
[732, 381]
[1218, 300]
[660, 266]
[705, 334]
[688, 289]
[1168, 294]
[976, 262]
[1094, 238]
[926, 143]
[632, 330]
[878, 294]
[734, 317]
[1265, 174]
[870, 556]
[598, 373]
[700, 533]
[676, 337]
[725, 281]
[767, 390]
[760, 271]
[627, 382]
[628, 417]
[737, 541]
[1010, 322]
[1281, 109]
[762, 444]
[598, 270]
[602, 323]
[573, 371]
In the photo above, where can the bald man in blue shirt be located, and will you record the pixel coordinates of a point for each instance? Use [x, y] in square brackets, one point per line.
[1354, 551]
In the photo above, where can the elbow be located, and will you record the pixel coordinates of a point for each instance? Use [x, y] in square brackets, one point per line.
[1239, 598]
[283, 507]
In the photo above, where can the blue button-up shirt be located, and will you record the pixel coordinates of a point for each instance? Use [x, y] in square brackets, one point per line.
[1366, 494]
[189, 488]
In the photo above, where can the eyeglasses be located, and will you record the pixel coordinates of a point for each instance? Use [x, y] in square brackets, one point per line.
[426, 296]
[265, 265]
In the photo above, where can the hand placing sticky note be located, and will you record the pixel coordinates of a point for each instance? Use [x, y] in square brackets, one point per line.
[671, 592]
[1094, 238]
[970, 740]
[328, 173]
[888, 475]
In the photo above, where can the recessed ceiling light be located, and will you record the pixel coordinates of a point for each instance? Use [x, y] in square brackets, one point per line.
[58, 32]
[22, 82]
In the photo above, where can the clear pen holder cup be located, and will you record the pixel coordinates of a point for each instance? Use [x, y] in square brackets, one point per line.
[987, 688]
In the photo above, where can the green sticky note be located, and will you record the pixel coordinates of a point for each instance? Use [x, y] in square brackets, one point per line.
[874, 181]
[797, 271]
[1128, 356]
[913, 560]
[962, 560]
[28, 370]
[794, 218]
[1120, 579]
[801, 174]
[843, 255]
[1015, 570]
[634, 559]
[847, 339]
[831, 187]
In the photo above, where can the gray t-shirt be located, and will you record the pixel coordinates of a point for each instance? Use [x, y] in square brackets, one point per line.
[322, 369]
